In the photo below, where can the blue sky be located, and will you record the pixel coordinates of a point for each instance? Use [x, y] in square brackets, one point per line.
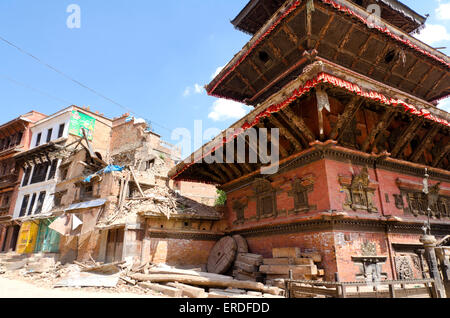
[151, 56]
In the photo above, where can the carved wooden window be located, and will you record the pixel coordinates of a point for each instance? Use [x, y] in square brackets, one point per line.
[267, 205]
[302, 199]
[239, 208]
[266, 199]
[300, 190]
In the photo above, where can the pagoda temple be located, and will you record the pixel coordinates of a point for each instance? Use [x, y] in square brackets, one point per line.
[354, 96]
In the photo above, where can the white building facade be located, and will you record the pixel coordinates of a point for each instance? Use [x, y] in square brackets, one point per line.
[36, 192]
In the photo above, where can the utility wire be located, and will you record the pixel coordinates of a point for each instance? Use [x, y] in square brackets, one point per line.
[34, 89]
[128, 110]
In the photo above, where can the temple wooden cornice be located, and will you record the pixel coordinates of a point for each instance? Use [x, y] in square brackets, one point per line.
[404, 130]
[257, 12]
[341, 32]
[336, 221]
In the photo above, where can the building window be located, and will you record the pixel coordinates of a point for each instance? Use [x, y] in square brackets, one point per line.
[300, 189]
[40, 202]
[49, 134]
[19, 138]
[26, 177]
[86, 191]
[38, 139]
[53, 167]
[266, 199]
[64, 174]
[149, 164]
[23, 208]
[33, 200]
[39, 173]
[61, 130]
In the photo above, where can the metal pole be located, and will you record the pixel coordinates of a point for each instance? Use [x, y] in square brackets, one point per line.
[429, 242]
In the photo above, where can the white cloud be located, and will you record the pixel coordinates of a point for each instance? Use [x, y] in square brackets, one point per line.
[445, 104]
[433, 33]
[196, 89]
[224, 109]
[443, 11]
[218, 70]
[187, 92]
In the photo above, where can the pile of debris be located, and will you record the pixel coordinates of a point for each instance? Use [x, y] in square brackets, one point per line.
[178, 283]
[166, 202]
[232, 252]
[118, 277]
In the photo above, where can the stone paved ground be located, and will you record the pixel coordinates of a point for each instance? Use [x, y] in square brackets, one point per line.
[20, 289]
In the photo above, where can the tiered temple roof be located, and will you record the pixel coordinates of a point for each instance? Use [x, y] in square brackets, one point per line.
[380, 86]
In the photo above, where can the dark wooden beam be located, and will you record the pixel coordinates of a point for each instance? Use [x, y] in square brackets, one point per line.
[286, 133]
[379, 58]
[210, 175]
[407, 136]
[290, 35]
[383, 123]
[426, 141]
[257, 70]
[219, 172]
[423, 79]
[436, 85]
[277, 52]
[362, 50]
[324, 31]
[441, 156]
[300, 124]
[309, 8]
[283, 151]
[245, 81]
[292, 127]
[344, 41]
[345, 119]
[235, 170]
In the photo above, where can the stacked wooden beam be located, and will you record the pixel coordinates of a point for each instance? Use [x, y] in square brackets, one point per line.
[285, 260]
[246, 267]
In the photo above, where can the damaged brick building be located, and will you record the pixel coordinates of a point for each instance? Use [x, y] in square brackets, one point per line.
[15, 137]
[354, 97]
[93, 188]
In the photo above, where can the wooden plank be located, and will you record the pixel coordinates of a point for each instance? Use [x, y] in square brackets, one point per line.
[314, 291]
[284, 269]
[198, 281]
[288, 261]
[137, 182]
[285, 276]
[250, 259]
[189, 291]
[246, 267]
[289, 252]
[166, 290]
[218, 293]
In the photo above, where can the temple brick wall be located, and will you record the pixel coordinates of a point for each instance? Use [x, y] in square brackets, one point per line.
[177, 252]
[336, 246]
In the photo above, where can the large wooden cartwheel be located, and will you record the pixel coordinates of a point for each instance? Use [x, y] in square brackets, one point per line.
[222, 255]
[242, 246]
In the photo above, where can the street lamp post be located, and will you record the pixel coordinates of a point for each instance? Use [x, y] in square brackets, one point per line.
[429, 241]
